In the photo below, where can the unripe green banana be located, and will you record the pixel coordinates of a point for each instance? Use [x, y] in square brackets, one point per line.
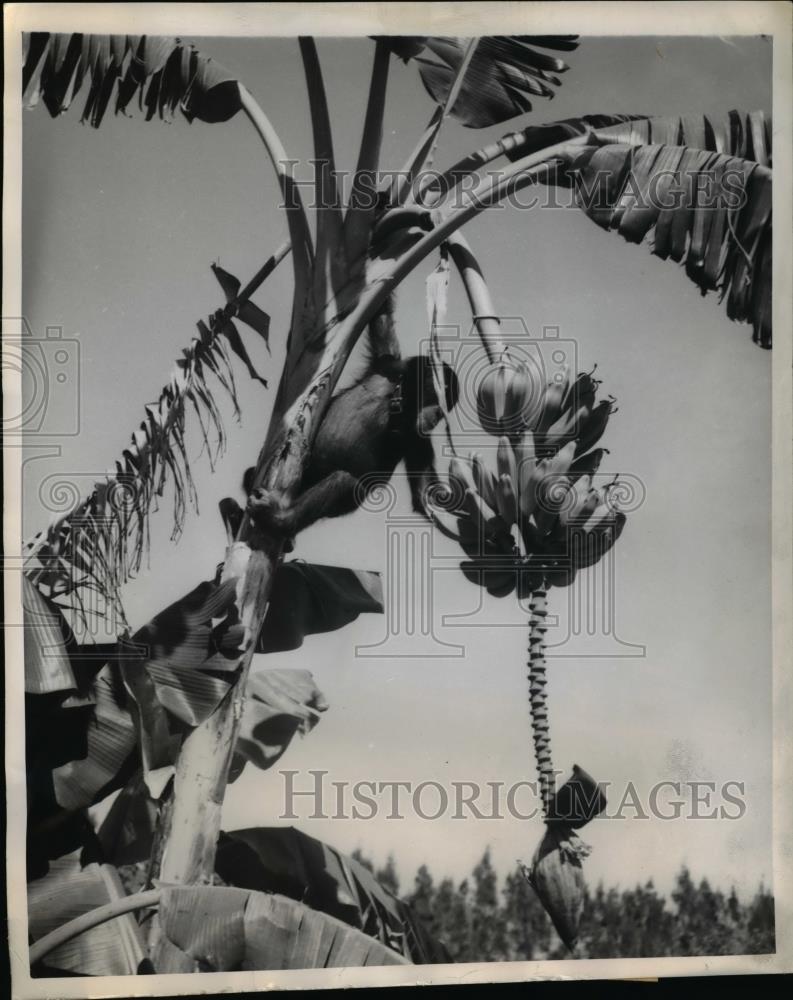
[461, 477]
[585, 500]
[598, 542]
[591, 432]
[484, 479]
[582, 392]
[531, 483]
[478, 510]
[555, 393]
[587, 464]
[504, 399]
[505, 459]
[550, 500]
[565, 428]
[560, 463]
[507, 500]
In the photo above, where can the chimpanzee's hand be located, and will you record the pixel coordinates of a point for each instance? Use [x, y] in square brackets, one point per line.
[269, 513]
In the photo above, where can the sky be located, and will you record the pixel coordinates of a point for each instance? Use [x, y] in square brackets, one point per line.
[120, 226]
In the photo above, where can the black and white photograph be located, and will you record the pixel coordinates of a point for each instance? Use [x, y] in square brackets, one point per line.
[397, 448]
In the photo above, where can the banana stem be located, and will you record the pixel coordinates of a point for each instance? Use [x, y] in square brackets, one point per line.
[263, 273]
[329, 249]
[488, 325]
[361, 210]
[527, 171]
[451, 100]
[538, 698]
[442, 185]
[299, 232]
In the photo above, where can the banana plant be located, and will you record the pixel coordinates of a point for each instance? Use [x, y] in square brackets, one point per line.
[342, 275]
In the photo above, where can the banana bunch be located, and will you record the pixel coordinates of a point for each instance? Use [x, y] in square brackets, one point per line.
[537, 518]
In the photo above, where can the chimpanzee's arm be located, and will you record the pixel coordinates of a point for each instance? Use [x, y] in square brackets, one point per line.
[331, 497]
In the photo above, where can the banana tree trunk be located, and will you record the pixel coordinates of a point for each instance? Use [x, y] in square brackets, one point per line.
[190, 821]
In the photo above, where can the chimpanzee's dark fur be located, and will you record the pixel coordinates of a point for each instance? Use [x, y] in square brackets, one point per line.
[384, 418]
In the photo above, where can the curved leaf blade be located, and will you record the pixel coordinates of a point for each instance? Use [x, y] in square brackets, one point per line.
[286, 861]
[111, 739]
[308, 599]
[505, 72]
[708, 210]
[165, 74]
[278, 705]
[745, 134]
[222, 929]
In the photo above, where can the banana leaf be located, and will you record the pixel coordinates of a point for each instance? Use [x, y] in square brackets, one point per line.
[285, 861]
[222, 929]
[55, 662]
[99, 544]
[278, 705]
[308, 599]
[505, 72]
[165, 74]
[126, 834]
[166, 679]
[111, 738]
[738, 133]
[248, 312]
[709, 210]
[68, 890]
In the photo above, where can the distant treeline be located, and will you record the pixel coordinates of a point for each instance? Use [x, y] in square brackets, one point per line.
[484, 919]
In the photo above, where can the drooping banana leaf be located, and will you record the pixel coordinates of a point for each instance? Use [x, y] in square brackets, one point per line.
[726, 247]
[310, 598]
[222, 929]
[55, 663]
[745, 134]
[165, 74]
[505, 72]
[60, 710]
[247, 311]
[126, 833]
[99, 544]
[710, 210]
[144, 699]
[67, 891]
[286, 861]
[169, 677]
[111, 738]
[278, 705]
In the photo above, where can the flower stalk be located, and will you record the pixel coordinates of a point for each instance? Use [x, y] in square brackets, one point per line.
[538, 698]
